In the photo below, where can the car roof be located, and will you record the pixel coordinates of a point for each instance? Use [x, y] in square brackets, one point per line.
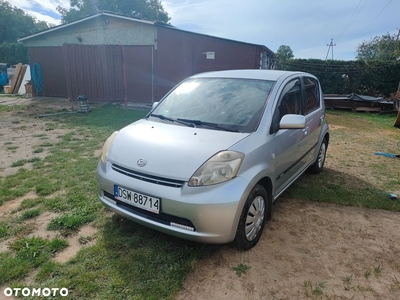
[273, 75]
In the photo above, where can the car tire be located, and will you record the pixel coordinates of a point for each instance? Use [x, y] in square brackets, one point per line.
[252, 220]
[318, 165]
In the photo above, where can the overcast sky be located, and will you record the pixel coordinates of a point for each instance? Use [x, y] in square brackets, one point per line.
[306, 26]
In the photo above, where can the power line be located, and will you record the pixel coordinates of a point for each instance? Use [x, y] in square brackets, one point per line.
[351, 18]
[375, 17]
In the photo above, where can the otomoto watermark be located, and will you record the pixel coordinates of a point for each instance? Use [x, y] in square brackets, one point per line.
[35, 292]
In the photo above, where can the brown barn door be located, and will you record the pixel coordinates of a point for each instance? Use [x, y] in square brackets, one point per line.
[139, 70]
[95, 71]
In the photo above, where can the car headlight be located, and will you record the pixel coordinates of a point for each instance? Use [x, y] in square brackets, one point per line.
[107, 145]
[221, 167]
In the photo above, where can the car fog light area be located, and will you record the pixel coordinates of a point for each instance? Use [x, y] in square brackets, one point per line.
[185, 227]
[222, 167]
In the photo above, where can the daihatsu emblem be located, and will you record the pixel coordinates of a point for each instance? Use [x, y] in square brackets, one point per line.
[141, 162]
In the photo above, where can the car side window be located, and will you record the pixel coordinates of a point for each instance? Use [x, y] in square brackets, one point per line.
[290, 100]
[311, 92]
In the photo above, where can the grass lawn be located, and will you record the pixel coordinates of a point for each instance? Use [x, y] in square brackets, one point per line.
[355, 176]
[126, 260]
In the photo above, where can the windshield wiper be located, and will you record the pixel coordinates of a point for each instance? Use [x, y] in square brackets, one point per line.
[162, 117]
[208, 124]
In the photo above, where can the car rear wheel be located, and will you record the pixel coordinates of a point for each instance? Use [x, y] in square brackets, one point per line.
[253, 218]
[318, 165]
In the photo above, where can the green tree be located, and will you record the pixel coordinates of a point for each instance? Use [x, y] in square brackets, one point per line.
[140, 9]
[13, 53]
[385, 47]
[14, 24]
[283, 55]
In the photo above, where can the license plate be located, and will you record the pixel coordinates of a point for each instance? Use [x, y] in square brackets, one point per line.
[137, 199]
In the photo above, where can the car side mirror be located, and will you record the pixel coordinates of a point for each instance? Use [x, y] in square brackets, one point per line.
[154, 105]
[291, 121]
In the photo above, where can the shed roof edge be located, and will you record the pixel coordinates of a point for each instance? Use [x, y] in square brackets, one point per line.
[107, 14]
[213, 36]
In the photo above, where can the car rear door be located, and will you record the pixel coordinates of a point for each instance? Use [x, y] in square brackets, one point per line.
[314, 113]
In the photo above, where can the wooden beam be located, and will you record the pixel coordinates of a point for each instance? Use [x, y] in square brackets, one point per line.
[19, 80]
[15, 77]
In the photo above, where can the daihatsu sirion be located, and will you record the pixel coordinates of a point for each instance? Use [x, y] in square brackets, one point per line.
[211, 157]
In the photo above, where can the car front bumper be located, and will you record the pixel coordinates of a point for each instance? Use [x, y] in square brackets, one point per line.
[208, 214]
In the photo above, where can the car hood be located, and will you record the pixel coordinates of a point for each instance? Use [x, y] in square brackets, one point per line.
[169, 150]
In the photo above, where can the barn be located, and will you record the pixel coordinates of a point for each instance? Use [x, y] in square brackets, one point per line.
[110, 57]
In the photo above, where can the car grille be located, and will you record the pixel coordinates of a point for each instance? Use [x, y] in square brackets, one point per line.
[160, 218]
[148, 178]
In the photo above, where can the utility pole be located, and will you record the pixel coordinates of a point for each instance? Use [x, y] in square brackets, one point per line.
[331, 45]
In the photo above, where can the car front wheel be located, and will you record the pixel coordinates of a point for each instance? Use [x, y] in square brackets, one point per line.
[253, 218]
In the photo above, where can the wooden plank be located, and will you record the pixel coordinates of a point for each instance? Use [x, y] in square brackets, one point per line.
[368, 109]
[19, 80]
[25, 79]
[15, 78]
[344, 107]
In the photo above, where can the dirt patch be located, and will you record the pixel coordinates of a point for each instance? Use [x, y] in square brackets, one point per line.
[85, 237]
[9, 206]
[335, 127]
[40, 224]
[97, 153]
[24, 135]
[6, 211]
[308, 250]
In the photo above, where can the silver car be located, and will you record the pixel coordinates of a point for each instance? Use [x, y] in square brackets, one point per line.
[212, 156]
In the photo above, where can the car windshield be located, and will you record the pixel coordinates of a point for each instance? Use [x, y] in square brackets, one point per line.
[231, 104]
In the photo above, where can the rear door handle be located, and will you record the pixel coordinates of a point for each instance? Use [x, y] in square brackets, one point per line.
[305, 130]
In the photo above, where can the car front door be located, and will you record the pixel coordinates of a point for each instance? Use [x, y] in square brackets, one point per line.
[290, 143]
